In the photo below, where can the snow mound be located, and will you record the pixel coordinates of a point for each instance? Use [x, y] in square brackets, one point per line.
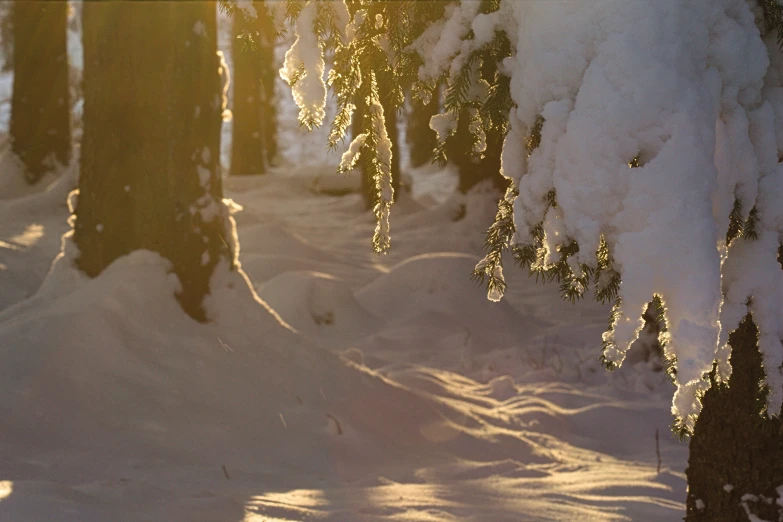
[113, 366]
[437, 281]
[433, 307]
[337, 183]
[276, 239]
[318, 304]
[263, 267]
[30, 230]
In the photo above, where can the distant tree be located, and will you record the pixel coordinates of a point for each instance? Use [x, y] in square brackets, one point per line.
[7, 35]
[149, 162]
[474, 168]
[254, 138]
[477, 154]
[40, 125]
[421, 139]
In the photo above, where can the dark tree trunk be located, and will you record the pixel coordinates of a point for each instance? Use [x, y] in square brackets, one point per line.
[149, 163]
[390, 116]
[472, 170]
[735, 443]
[40, 109]
[254, 139]
[489, 166]
[269, 76]
[7, 36]
[421, 139]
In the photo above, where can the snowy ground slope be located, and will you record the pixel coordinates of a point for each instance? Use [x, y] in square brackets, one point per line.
[403, 395]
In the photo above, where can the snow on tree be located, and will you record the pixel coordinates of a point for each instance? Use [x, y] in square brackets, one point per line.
[638, 119]
[644, 135]
[642, 145]
[367, 41]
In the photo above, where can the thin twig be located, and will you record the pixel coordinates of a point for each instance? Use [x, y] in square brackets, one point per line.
[336, 423]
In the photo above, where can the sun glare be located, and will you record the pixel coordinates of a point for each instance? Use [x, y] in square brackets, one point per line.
[6, 488]
[30, 236]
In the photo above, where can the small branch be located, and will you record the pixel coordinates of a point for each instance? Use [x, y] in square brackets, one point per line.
[225, 472]
[658, 450]
[336, 423]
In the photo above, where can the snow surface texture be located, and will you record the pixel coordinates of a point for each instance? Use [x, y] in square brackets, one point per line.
[687, 88]
[403, 395]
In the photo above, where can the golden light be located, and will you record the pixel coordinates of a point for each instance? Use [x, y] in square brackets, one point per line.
[6, 488]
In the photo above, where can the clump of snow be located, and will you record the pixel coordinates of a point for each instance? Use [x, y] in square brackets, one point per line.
[383, 179]
[247, 8]
[616, 81]
[495, 294]
[746, 498]
[441, 43]
[443, 125]
[199, 29]
[351, 156]
[304, 67]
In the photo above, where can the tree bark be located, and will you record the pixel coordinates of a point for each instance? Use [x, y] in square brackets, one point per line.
[150, 151]
[40, 125]
[254, 138]
[735, 443]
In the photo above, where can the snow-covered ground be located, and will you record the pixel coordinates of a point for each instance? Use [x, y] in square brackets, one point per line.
[403, 394]
[380, 388]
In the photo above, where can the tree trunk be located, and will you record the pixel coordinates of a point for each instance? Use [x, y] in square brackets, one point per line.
[421, 139]
[149, 163]
[254, 138]
[735, 449]
[472, 170]
[40, 125]
[269, 75]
